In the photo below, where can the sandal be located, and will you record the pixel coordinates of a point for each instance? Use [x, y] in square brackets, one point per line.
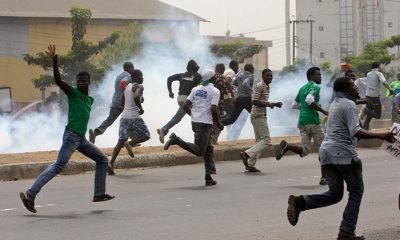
[102, 198]
[28, 203]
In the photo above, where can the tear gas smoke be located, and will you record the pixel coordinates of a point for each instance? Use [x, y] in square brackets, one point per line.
[162, 55]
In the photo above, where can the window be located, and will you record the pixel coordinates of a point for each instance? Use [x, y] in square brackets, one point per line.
[390, 24]
[321, 28]
[322, 55]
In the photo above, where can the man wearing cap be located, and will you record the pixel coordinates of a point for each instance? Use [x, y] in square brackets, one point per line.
[202, 106]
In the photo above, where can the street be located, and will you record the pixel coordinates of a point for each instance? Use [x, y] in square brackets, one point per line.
[172, 203]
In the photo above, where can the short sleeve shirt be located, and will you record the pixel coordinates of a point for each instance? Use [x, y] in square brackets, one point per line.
[202, 97]
[308, 115]
[79, 107]
[339, 145]
[260, 93]
[126, 77]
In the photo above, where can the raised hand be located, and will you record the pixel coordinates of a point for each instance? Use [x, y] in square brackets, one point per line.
[171, 94]
[52, 51]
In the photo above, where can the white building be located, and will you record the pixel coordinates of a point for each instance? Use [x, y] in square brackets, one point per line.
[343, 27]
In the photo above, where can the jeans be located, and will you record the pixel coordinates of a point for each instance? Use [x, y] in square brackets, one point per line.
[373, 110]
[112, 116]
[175, 119]
[261, 132]
[202, 146]
[337, 174]
[71, 142]
[238, 106]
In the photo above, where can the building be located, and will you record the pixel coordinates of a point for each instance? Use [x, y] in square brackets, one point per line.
[343, 27]
[28, 26]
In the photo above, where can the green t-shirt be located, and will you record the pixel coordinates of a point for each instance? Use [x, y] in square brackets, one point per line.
[80, 106]
[308, 115]
[395, 85]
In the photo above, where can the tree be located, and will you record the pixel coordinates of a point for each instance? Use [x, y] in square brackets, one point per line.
[374, 52]
[78, 57]
[127, 45]
[236, 51]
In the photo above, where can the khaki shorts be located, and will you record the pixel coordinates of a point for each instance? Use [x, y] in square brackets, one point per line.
[308, 132]
[181, 100]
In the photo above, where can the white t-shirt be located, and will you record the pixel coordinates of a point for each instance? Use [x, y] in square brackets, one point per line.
[131, 111]
[374, 78]
[202, 97]
[361, 84]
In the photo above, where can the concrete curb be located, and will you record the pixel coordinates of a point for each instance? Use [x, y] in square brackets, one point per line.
[10, 172]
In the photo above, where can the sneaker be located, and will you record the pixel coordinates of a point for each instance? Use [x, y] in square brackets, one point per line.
[129, 149]
[293, 210]
[102, 198]
[244, 157]
[281, 150]
[211, 182]
[28, 201]
[161, 134]
[343, 235]
[252, 169]
[323, 181]
[173, 140]
[92, 136]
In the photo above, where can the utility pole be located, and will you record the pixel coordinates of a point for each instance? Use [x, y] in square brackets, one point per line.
[294, 42]
[287, 32]
[311, 22]
[294, 36]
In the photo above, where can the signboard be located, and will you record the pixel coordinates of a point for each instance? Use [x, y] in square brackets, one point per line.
[393, 148]
[5, 100]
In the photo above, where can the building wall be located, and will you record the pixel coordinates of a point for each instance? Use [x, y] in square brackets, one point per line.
[386, 23]
[326, 30]
[20, 36]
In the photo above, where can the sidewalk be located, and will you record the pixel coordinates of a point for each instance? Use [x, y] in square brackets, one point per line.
[29, 165]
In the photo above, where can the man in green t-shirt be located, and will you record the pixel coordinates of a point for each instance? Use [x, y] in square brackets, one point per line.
[307, 100]
[80, 104]
[395, 85]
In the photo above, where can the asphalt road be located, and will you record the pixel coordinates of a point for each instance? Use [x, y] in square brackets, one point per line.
[172, 203]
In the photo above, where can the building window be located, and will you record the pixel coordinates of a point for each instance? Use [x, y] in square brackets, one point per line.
[322, 55]
[321, 28]
[390, 24]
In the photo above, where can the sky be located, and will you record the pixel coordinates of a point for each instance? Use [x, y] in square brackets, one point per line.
[266, 18]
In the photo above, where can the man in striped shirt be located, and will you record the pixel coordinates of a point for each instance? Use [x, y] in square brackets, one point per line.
[258, 117]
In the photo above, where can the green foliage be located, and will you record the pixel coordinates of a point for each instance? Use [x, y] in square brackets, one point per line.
[125, 47]
[299, 63]
[236, 51]
[80, 55]
[326, 67]
[373, 52]
[80, 18]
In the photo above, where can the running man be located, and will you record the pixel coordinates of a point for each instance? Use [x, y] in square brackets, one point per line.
[309, 124]
[339, 156]
[374, 106]
[80, 104]
[187, 81]
[202, 106]
[131, 125]
[258, 117]
[115, 109]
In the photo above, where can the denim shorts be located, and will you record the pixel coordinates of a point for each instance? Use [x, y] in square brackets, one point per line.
[132, 128]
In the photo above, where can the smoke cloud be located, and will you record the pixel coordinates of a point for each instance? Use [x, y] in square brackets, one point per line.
[163, 54]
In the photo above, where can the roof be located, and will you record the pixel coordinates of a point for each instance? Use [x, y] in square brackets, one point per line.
[101, 9]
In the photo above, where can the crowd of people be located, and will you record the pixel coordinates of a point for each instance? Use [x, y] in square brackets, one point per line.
[215, 99]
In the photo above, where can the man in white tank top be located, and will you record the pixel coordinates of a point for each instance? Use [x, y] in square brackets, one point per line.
[131, 123]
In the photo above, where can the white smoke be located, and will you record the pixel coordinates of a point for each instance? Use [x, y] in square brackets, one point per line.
[163, 54]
